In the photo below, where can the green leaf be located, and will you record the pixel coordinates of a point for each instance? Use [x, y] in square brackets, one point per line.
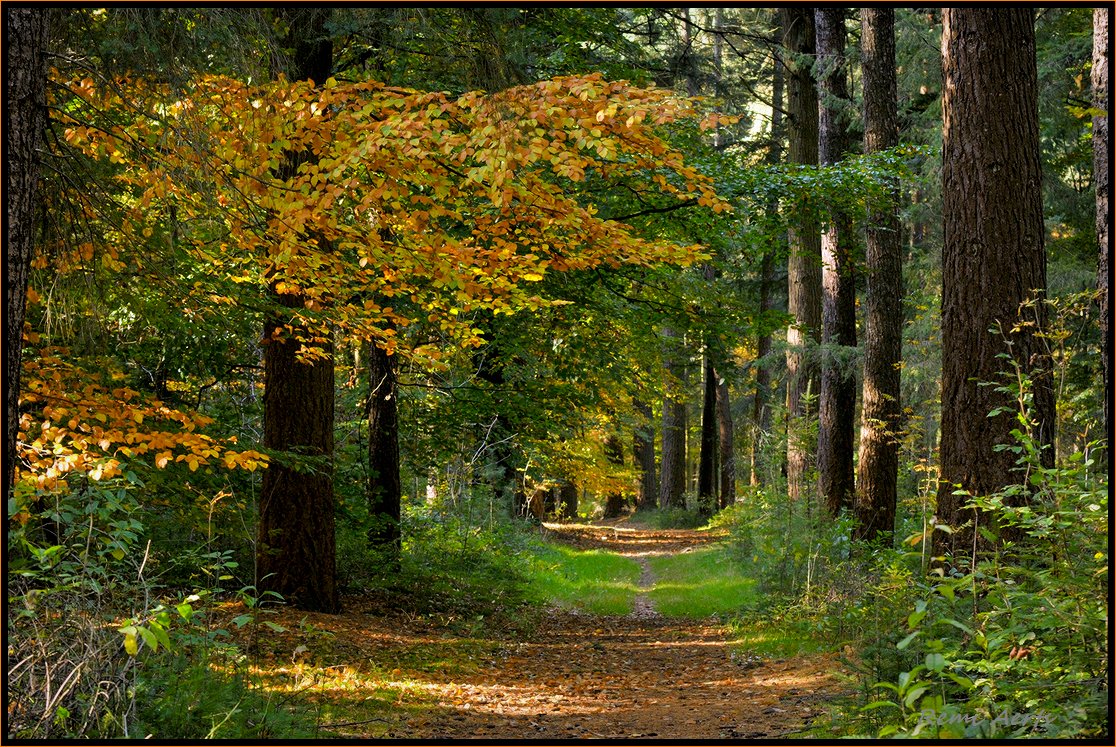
[935, 662]
[275, 626]
[907, 641]
[149, 638]
[241, 620]
[914, 695]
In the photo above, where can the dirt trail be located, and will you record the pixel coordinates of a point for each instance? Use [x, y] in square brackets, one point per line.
[636, 676]
[575, 675]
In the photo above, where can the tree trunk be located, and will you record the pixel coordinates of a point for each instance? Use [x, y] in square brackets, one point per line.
[761, 406]
[647, 492]
[878, 465]
[726, 438]
[992, 260]
[614, 502]
[837, 397]
[804, 260]
[385, 491]
[296, 549]
[567, 501]
[26, 31]
[673, 473]
[295, 552]
[1101, 177]
[707, 456]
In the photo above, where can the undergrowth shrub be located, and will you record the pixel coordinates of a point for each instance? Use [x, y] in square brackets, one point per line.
[1014, 644]
[98, 648]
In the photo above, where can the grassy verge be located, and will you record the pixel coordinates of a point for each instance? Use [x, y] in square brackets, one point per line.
[603, 583]
[700, 583]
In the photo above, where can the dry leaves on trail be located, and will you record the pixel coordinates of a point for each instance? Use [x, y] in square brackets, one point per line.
[582, 676]
[574, 675]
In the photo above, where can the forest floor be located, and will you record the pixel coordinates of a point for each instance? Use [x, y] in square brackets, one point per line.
[572, 675]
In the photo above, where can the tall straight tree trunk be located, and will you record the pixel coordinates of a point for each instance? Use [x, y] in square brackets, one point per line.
[837, 398]
[992, 260]
[725, 434]
[614, 453]
[26, 32]
[672, 484]
[296, 547]
[385, 490]
[707, 458]
[643, 447]
[1101, 177]
[804, 243]
[878, 465]
[761, 406]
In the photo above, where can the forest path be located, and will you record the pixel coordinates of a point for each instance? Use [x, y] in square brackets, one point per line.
[641, 675]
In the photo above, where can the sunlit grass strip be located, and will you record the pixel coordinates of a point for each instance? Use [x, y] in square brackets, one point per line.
[699, 583]
[603, 583]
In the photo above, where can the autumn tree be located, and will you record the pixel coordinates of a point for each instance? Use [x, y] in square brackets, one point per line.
[26, 31]
[295, 551]
[993, 263]
[878, 465]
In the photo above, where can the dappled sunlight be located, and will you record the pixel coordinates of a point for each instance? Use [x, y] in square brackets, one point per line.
[574, 674]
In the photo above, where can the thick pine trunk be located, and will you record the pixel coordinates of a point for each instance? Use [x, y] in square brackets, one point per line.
[837, 397]
[296, 549]
[1101, 177]
[878, 465]
[643, 447]
[25, 33]
[385, 492]
[992, 260]
[804, 260]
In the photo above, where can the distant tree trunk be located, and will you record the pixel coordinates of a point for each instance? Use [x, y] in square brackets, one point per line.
[496, 438]
[707, 456]
[385, 491]
[837, 397]
[878, 465]
[567, 500]
[1101, 177]
[296, 550]
[992, 259]
[26, 32]
[761, 408]
[804, 260]
[726, 438]
[673, 473]
[614, 453]
[647, 492]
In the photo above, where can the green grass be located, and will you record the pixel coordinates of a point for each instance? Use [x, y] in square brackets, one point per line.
[603, 583]
[700, 583]
[775, 639]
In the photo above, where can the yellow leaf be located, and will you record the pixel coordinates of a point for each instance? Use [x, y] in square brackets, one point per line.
[131, 645]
